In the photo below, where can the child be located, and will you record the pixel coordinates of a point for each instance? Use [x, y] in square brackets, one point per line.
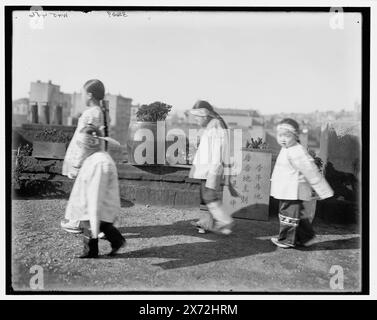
[208, 165]
[92, 93]
[95, 200]
[293, 178]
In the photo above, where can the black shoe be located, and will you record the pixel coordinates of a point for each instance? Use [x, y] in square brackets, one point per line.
[115, 249]
[90, 248]
[88, 255]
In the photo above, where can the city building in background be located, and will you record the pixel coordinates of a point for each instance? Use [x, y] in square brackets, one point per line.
[249, 121]
[120, 116]
[20, 110]
[48, 105]
[77, 106]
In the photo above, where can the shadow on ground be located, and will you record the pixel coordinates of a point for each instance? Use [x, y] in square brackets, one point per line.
[216, 247]
[126, 203]
[340, 244]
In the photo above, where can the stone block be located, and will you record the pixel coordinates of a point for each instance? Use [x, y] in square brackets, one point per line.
[340, 149]
[174, 177]
[341, 146]
[49, 150]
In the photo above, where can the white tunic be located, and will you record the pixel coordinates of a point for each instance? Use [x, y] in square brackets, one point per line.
[95, 193]
[211, 156]
[295, 174]
[72, 159]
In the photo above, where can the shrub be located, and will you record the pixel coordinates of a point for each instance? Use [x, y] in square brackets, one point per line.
[156, 111]
[256, 144]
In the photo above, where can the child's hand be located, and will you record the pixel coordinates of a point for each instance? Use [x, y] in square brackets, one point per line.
[233, 192]
[73, 174]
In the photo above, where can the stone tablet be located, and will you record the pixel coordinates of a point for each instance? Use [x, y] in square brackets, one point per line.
[253, 186]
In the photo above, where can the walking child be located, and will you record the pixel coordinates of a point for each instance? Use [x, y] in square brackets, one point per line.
[92, 93]
[294, 176]
[95, 199]
[209, 164]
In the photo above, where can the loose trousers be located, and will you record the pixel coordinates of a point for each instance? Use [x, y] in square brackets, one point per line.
[211, 199]
[295, 226]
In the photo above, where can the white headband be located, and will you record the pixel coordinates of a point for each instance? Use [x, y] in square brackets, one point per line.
[201, 112]
[288, 127]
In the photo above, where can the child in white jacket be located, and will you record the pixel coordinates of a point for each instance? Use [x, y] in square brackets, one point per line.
[210, 165]
[95, 199]
[294, 176]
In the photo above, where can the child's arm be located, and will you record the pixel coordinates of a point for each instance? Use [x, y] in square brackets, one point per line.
[75, 157]
[214, 159]
[305, 164]
[97, 186]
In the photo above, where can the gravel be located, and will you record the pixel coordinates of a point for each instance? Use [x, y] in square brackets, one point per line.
[165, 253]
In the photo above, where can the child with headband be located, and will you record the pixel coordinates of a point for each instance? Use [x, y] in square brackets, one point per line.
[211, 163]
[293, 177]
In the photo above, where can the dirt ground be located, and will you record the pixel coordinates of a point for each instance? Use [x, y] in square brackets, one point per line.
[165, 253]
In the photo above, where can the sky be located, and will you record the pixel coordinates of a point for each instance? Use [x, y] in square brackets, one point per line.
[269, 61]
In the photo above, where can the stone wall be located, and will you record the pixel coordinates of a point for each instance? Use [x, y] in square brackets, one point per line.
[154, 185]
[340, 149]
[341, 146]
[28, 133]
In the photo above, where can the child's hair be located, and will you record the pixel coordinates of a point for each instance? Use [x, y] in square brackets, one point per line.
[202, 104]
[96, 88]
[291, 122]
[294, 124]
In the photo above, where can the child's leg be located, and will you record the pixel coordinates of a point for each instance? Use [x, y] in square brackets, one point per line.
[206, 221]
[113, 235]
[214, 205]
[219, 214]
[289, 214]
[90, 244]
[305, 231]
